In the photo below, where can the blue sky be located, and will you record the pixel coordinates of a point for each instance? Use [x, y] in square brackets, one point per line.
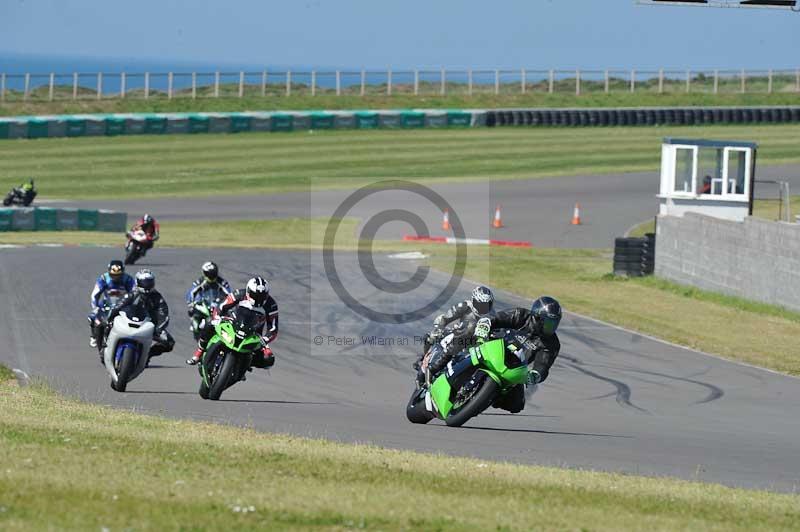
[410, 33]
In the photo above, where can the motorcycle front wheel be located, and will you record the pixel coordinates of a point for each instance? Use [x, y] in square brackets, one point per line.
[480, 401]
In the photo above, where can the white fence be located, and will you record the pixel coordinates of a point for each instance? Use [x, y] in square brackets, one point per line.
[441, 82]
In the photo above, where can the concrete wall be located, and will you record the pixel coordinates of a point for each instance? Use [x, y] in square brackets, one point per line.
[755, 259]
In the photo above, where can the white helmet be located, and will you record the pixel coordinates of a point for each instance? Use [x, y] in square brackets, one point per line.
[257, 290]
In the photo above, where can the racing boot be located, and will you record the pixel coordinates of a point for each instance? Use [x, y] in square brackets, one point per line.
[196, 356]
[438, 361]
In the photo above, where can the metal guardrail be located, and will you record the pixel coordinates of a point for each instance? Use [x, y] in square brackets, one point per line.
[56, 86]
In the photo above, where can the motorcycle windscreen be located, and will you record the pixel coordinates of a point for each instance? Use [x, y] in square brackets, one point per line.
[247, 323]
[136, 312]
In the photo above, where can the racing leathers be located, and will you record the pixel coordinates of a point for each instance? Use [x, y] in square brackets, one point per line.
[158, 310]
[150, 228]
[104, 284]
[540, 351]
[465, 317]
[203, 289]
[269, 331]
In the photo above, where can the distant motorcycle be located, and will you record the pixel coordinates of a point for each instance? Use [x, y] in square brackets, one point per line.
[201, 311]
[138, 244]
[128, 345]
[21, 195]
[230, 351]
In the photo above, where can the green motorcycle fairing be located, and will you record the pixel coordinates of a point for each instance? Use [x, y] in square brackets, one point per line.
[238, 341]
[490, 358]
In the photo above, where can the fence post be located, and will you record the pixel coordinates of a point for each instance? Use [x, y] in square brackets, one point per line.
[313, 83]
[27, 87]
[389, 82]
[688, 80]
[769, 81]
[551, 81]
[577, 82]
[743, 75]
[241, 84]
[50, 88]
[661, 81]
[194, 85]
[716, 81]
[416, 82]
[497, 81]
[146, 85]
[633, 80]
[606, 80]
[288, 83]
[523, 79]
[3, 87]
[338, 83]
[169, 85]
[796, 79]
[469, 82]
[123, 81]
[263, 83]
[74, 85]
[99, 85]
[216, 84]
[443, 89]
[363, 82]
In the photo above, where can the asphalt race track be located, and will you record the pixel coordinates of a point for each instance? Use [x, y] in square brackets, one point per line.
[535, 210]
[615, 400]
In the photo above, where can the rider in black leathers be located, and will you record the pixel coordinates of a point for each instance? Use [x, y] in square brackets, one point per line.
[464, 315]
[145, 290]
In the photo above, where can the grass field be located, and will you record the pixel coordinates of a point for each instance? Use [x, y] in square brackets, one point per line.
[299, 101]
[73, 466]
[580, 279]
[184, 165]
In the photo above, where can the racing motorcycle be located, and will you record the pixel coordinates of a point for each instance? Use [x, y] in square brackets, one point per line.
[202, 308]
[136, 248]
[229, 353]
[20, 195]
[128, 345]
[109, 301]
[473, 380]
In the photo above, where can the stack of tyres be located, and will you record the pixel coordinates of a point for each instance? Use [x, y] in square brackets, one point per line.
[634, 257]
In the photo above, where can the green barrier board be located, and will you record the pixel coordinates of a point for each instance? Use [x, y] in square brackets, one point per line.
[459, 119]
[411, 119]
[177, 125]
[67, 219]
[56, 127]
[260, 122]
[87, 220]
[240, 123]
[95, 127]
[155, 125]
[45, 219]
[76, 127]
[344, 120]
[219, 123]
[134, 125]
[23, 220]
[321, 121]
[37, 128]
[198, 124]
[282, 122]
[6, 219]
[366, 120]
[115, 126]
[4, 128]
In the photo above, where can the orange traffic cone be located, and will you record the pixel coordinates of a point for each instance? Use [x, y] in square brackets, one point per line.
[446, 221]
[576, 215]
[497, 223]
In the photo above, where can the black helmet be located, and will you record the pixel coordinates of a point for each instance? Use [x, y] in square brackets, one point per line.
[482, 300]
[547, 313]
[145, 281]
[115, 270]
[257, 290]
[210, 271]
[147, 219]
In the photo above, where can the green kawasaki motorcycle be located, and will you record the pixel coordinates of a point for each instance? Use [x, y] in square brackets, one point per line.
[473, 380]
[229, 352]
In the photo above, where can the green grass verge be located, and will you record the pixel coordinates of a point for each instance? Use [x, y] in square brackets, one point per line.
[74, 466]
[299, 101]
[5, 374]
[191, 165]
[580, 279]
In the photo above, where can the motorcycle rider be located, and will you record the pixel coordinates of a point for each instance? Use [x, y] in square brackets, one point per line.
[466, 314]
[209, 281]
[145, 291]
[256, 292]
[150, 227]
[114, 278]
[539, 325]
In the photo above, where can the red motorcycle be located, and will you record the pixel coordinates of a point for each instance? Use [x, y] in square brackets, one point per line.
[138, 244]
